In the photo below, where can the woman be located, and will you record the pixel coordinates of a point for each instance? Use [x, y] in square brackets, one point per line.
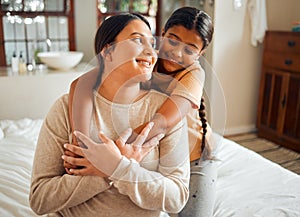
[123, 187]
[186, 35]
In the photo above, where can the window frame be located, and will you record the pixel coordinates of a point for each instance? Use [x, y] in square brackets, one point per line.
[69, 14]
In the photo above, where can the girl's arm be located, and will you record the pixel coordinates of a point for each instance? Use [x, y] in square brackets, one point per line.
[190, 84]
[82, 103]
[80, 107]
[173, 110]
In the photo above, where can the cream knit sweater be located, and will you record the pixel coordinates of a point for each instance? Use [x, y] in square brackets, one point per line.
[159, 183]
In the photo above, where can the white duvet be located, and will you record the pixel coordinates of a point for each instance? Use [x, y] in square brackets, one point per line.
[17, 147]
[247, 186]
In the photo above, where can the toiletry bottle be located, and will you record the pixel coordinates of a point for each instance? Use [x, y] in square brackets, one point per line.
[22, 65]
[15, 64]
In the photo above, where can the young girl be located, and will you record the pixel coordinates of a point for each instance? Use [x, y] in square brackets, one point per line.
[124, 188]
[186, 35]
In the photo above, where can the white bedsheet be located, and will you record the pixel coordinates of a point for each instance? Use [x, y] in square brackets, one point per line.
[17, 150]
[247, 186]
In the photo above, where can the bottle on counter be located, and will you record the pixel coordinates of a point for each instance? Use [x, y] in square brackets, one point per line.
[22, 65]
[14, 64]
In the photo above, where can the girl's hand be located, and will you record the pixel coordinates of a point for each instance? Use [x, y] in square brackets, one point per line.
[138, 149]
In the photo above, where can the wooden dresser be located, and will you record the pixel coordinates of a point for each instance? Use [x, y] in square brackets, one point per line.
[278, 115]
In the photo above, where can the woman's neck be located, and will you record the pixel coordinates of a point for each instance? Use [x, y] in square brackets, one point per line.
[120, 92]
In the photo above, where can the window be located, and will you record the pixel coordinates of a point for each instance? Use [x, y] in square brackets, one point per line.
[31, 26]
[147, 8]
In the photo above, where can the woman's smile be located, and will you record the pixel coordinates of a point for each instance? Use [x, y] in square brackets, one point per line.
[144, 62]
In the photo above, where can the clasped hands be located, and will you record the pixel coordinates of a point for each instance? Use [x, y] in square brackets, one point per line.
[101, 159]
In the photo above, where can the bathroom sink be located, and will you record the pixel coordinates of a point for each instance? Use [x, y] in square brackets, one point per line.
[61, 60]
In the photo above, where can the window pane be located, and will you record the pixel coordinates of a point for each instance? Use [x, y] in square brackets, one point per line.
[63, 27]
[41, 27]
[17, 5]
[54, 5]
[9, 49]
[153, 8]
[54, 46]
[106, 6]
[31, 30]
[53, 27]
[8, 29]
[12, 5]
[42, 46]
[34, 5]
[7, 5]
[64, 46]
[31, 50]
[140, 6]
[20, 29]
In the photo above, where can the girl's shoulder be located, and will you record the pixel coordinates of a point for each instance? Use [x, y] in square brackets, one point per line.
[193, 70]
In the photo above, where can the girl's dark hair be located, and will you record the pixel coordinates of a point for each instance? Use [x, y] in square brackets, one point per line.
[194, 19]
[202, 116]
[107, 33]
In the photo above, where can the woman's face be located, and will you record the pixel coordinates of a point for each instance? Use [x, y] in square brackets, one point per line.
[179, 49]
[133, 56]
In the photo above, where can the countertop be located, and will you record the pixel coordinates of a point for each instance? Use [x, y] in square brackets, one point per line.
[80, 68]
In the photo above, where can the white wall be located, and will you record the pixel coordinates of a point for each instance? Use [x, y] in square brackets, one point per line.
[86, 27]
[31, 96]
[281, 13]
[237, 63]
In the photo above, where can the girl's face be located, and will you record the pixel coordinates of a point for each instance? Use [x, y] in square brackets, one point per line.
[179, 49]
[132, 55]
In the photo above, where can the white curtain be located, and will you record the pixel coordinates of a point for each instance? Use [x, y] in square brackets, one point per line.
[258, 18]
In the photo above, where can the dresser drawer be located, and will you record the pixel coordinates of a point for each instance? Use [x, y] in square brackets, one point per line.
[287, 42]
[288, 62]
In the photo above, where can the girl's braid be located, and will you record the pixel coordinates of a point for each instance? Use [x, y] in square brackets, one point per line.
[202, 116]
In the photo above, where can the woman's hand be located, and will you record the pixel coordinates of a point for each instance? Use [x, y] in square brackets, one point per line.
[136, 150]
[104, 156]
[67, 165]
[76, 164]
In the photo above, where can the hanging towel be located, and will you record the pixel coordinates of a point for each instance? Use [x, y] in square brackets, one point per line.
[258, 19]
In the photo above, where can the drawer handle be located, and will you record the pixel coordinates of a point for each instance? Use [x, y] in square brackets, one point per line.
[291, 43]
[288, 62]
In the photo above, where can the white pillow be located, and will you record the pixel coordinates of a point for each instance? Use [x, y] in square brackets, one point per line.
[25, 128]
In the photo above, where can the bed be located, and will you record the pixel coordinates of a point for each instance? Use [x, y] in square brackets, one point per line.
[248, 185]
